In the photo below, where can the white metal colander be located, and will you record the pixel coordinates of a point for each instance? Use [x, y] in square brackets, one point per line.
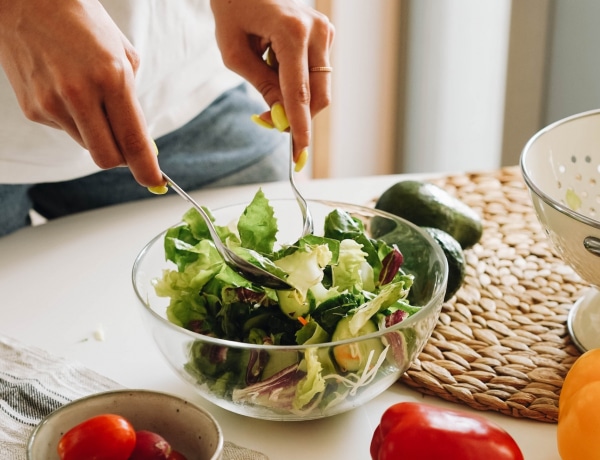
[561, 167]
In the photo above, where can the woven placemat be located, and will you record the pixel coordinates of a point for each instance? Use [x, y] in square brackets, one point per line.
[501, 343]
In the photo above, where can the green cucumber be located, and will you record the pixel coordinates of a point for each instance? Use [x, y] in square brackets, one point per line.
[427, 205]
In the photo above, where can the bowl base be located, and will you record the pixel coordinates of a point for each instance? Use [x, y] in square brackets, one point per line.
[583, 321]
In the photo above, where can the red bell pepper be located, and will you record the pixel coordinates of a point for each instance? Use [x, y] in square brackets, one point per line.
[411, 430]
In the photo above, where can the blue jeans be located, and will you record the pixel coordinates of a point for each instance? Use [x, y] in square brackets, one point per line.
[220, 147]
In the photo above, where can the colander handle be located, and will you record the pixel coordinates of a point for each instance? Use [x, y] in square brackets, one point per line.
[592, 244]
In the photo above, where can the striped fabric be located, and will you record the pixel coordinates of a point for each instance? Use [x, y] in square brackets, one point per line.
[32, 384]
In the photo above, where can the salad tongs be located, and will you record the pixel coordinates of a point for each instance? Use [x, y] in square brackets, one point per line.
[247, 270]
[307, 219]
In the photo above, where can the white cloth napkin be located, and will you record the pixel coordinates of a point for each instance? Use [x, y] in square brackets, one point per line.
[33, 383]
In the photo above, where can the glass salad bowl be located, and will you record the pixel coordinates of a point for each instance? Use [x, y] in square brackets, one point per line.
[561, 167]
[363, 308]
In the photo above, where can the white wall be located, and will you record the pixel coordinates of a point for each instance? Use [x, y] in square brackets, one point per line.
[357, 145]
[457, 62]
[574, 65]
[456, 75]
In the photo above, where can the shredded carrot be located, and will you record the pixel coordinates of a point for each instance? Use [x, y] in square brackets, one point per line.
[302, 320]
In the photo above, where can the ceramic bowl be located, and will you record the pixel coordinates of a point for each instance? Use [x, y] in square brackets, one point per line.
[270, 398]
[561, 167]
[190, 429]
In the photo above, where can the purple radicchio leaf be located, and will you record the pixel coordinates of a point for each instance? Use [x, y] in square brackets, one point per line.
[276, 392]
[398, 345]
[256, 364]
[245, 295]
[391, 263]
[395, 318]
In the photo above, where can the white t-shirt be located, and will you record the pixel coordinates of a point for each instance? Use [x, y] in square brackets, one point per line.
[181, 72]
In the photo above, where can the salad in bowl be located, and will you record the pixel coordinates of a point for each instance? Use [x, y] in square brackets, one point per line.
[367, 291]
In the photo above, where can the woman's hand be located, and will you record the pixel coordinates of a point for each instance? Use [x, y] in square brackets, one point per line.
[71, 68]
[299, 38]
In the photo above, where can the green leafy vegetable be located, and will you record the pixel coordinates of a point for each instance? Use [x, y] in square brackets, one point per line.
[257, 225]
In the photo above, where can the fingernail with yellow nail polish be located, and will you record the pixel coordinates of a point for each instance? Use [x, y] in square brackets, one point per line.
[302, 159]
[270, 57]
[260, 122]
[155, 148]
[279, 117]
[159, 189]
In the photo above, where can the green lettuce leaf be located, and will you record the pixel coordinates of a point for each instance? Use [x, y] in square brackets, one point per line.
[388, 295]
[313, 383]
[305, 267]
[352, 270]
[257, 225]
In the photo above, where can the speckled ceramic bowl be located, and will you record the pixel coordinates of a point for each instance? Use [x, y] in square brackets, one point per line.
[188, 428]
[561, 167]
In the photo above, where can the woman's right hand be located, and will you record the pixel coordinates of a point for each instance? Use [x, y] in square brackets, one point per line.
[73, 69]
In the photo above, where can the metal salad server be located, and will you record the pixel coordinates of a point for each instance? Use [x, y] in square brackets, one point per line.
[247, 270]
[308, 226]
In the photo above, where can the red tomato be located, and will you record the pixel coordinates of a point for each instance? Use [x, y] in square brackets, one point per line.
[104, 437]
[150, 446]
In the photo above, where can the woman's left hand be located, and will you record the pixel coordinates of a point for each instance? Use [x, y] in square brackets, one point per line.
[298, 37]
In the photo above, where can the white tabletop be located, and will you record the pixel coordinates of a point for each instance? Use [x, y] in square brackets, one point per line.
[63, 282]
